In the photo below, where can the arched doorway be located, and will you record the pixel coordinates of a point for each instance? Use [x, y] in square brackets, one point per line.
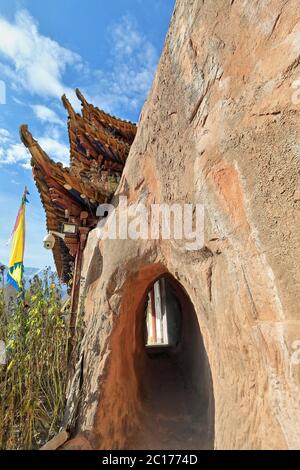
[176, 391]
[155, 396]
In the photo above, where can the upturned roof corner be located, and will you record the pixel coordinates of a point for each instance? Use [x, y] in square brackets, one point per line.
[26, 136]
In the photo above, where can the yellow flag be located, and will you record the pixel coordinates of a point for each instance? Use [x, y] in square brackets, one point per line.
[16, 266]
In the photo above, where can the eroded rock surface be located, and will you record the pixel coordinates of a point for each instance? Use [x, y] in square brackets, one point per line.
[221, 128]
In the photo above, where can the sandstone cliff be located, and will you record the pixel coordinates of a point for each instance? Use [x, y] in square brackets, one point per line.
[220, 127]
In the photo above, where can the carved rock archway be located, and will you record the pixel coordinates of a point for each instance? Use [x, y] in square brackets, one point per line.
[155, 401]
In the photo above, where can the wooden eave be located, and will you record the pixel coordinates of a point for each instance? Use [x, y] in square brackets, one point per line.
[51, 178]
[99, 147]
[96, 142]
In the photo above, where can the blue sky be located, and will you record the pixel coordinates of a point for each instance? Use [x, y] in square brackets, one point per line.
[107, 48]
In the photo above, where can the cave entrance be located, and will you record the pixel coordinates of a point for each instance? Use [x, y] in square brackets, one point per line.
[173, 372]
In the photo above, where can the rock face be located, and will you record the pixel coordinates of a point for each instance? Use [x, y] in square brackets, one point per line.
[220, 128]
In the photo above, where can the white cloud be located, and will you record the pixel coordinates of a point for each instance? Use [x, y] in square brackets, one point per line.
[4, 136]
[126, 37]
[12, 153]
[15, 154]
[36, 62]
[133, 61]
[46, 114]
[56, 150]
[17, 101]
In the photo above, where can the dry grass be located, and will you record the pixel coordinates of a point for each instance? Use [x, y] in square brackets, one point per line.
[33, 381]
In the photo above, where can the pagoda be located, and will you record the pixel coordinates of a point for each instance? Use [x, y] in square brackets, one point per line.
[99, 147]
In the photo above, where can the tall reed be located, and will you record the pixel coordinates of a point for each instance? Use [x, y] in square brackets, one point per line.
[33, 380]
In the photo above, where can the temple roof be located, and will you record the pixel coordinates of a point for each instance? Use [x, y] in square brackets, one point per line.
[99, 146]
